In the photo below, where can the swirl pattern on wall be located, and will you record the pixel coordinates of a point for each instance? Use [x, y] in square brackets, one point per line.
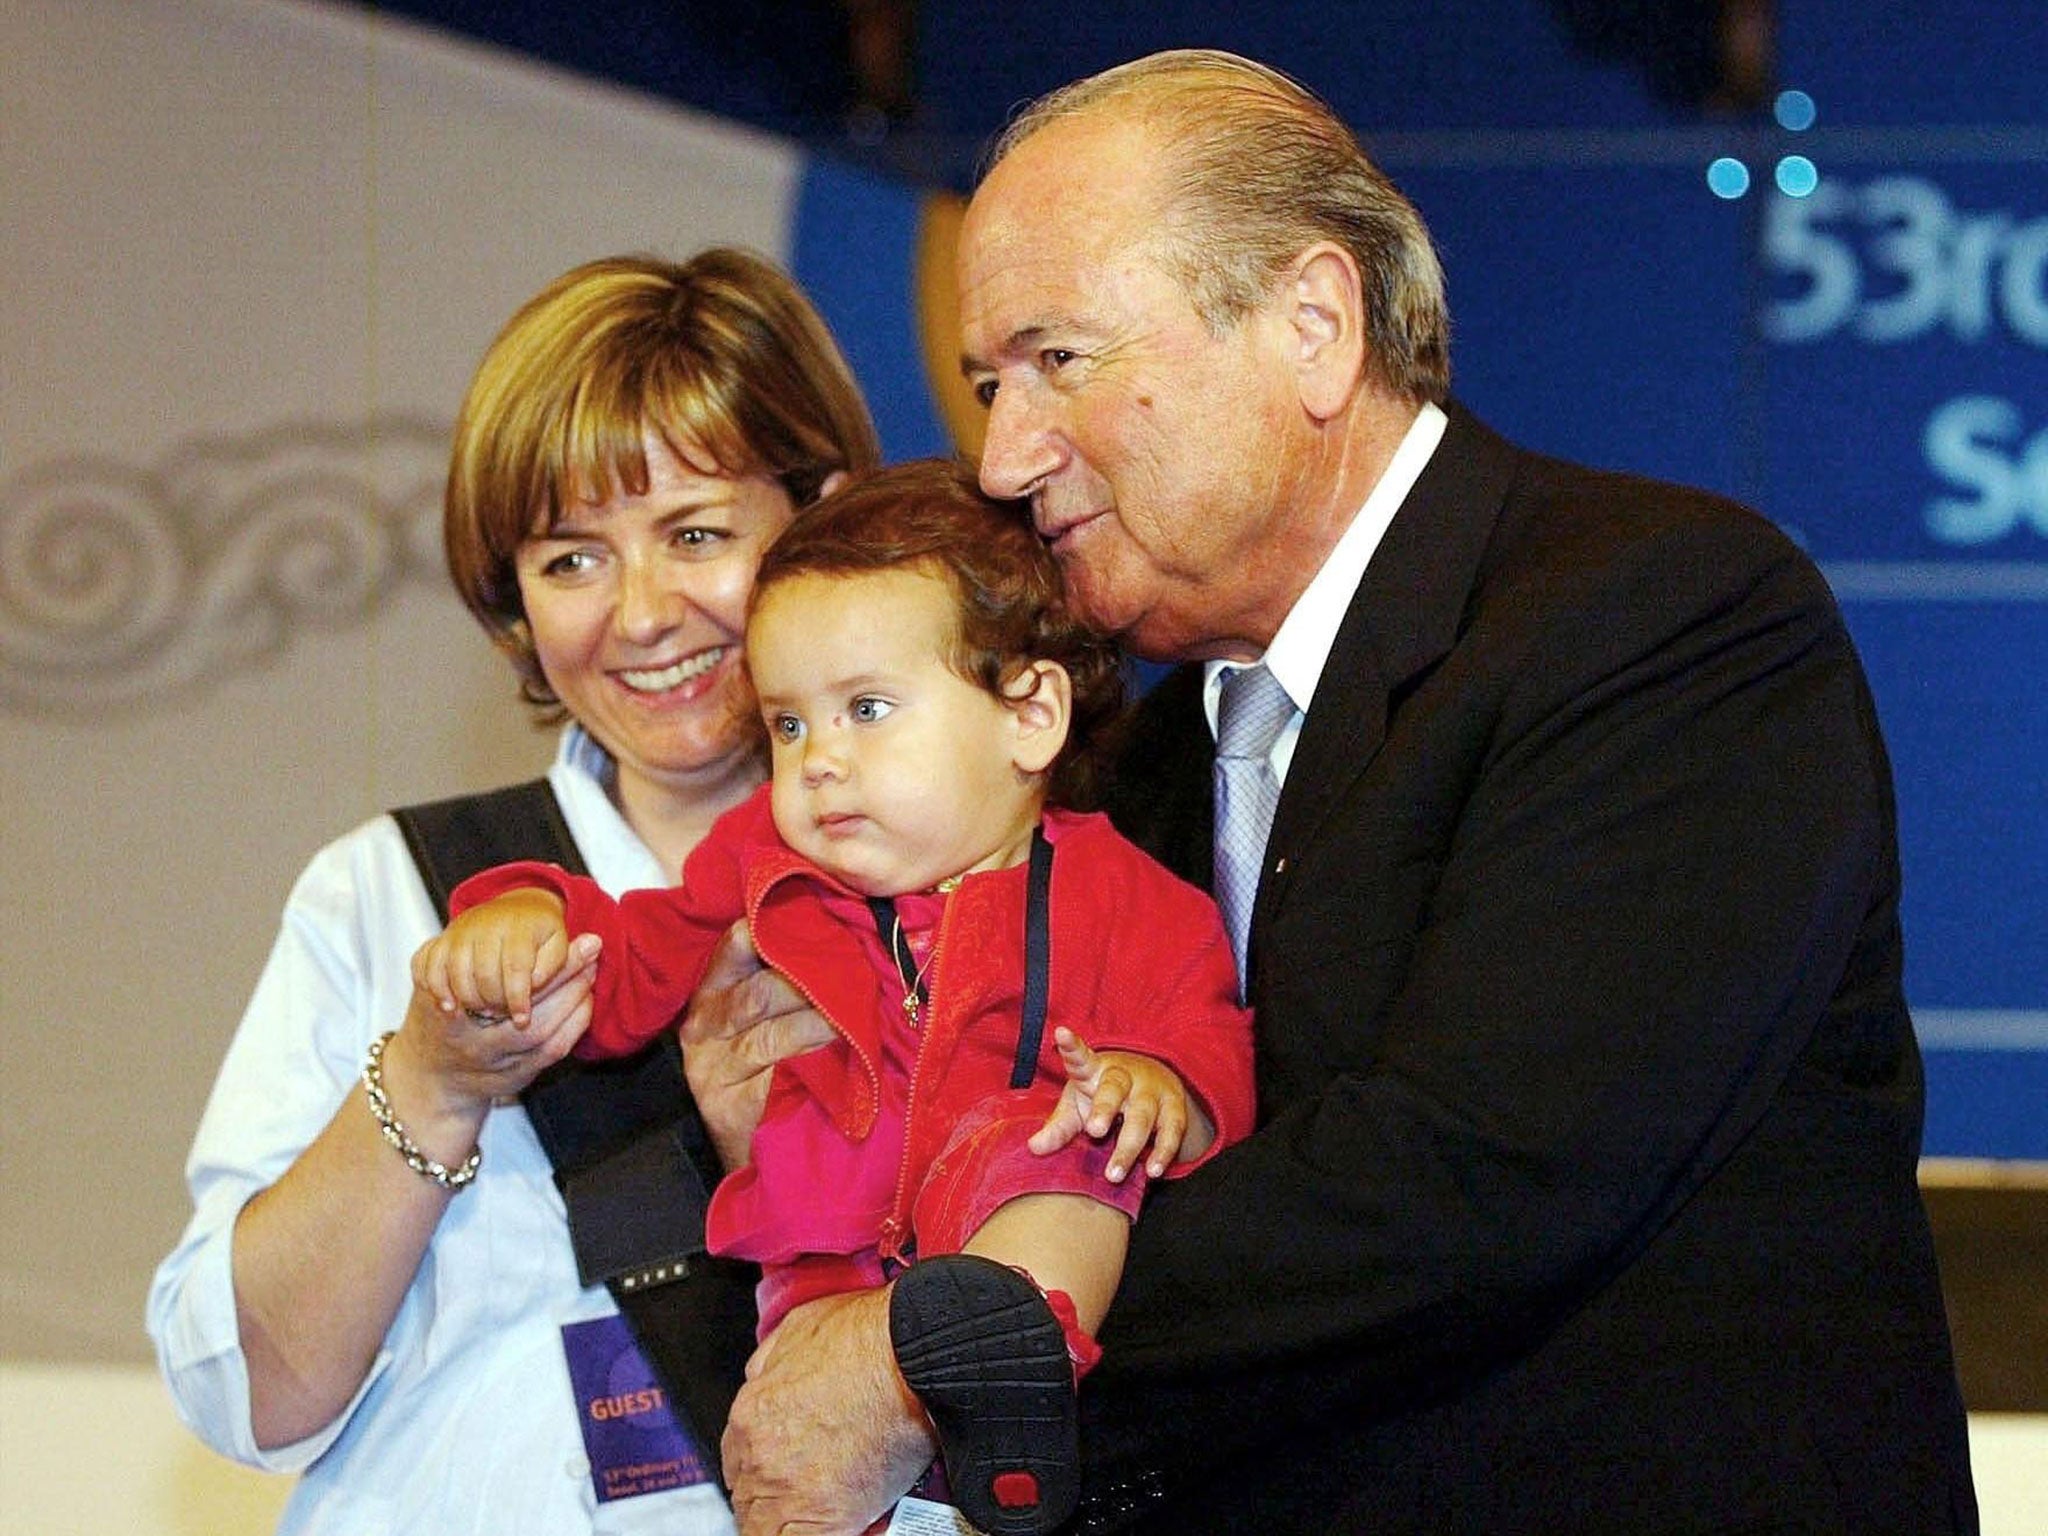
[120, 587]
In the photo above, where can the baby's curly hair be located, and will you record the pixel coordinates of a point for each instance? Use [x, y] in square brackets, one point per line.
[930, 513]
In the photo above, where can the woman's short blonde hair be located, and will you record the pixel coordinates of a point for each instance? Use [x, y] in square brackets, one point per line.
[722, 355]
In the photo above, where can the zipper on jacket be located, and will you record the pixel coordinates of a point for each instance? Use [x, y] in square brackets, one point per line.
[896, 1228]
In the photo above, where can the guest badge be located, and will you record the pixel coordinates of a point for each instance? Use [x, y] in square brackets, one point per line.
[635, 1442]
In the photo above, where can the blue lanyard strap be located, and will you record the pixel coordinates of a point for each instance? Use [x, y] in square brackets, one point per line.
[1037, 957]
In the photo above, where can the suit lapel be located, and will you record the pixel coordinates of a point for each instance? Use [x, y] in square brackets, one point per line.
[1403, 620]
[1159, 795]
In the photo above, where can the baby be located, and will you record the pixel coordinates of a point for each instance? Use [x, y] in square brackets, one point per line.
[913, 866]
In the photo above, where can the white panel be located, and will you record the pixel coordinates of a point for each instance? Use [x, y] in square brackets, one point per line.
[251, 253]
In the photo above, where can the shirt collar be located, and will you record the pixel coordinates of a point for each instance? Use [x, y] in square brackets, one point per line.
[1301, 646]
[581, 778]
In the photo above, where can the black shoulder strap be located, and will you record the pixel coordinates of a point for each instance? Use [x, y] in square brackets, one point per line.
[630, 1153]
[1037, 958]
[581, 1111]
[454, 839]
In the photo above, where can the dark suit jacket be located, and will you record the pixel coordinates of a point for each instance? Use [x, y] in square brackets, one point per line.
[1583, 1197]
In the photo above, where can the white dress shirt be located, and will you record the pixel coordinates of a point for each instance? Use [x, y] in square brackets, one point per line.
[1301, 646]
[467, 1424]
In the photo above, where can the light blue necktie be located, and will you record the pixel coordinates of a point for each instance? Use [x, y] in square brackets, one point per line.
[1249, 716]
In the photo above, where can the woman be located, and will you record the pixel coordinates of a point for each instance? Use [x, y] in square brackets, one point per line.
[630, 444]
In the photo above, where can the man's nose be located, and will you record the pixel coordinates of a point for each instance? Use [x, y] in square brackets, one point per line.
[1018, 449]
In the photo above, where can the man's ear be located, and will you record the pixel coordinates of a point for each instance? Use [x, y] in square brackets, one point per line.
[1326, 310]
[1040, 699]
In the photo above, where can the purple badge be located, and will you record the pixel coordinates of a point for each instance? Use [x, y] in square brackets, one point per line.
[635, 1442]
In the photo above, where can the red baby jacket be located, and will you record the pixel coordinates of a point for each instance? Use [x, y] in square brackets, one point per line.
[1139, 962]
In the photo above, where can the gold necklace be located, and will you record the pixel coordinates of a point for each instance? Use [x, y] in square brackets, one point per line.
[914, 993]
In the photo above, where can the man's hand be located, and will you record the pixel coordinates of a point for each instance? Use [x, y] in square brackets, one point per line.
[825, 1436]
[742, 1019]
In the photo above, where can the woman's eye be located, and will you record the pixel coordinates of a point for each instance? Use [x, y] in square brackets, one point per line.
[868, 708]
[571, 562]
[699, 538]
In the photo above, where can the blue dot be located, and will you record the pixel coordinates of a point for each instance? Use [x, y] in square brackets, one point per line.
[1796, 176]
[1795, 111]
[1728, 178]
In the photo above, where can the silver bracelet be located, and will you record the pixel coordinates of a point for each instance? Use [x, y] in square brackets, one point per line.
[453, 1179]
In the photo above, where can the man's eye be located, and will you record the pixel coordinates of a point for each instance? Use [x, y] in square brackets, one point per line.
[1056, 358]
[985, 392]
[868, 709]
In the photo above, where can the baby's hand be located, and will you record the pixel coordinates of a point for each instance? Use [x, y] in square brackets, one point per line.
[1149, 1096]
[494, 958]
[561, 1007]
[481, 1057]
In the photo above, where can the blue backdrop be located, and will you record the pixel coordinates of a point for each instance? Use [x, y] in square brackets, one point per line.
[1867, 362]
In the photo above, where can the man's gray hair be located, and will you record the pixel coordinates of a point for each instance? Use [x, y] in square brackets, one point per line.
[1256, 169]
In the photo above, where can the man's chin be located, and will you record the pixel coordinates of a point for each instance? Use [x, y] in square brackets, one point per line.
[1127, 626]
[1141, 627]
[1097, 609]
[1136, 642]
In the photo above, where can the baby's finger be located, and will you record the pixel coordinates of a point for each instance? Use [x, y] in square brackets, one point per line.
[577, 969]
[1168, 1132]
[467, 968]
[1132, 1136]
[1108, 1101]
[445, 976]
[449, 985]
[430, 973]
[517, 964]
[1061, 1127]
[552, 956]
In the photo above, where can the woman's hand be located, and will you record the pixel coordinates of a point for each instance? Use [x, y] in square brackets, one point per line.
[494, 958]
[742, 1019]
[464, 1058]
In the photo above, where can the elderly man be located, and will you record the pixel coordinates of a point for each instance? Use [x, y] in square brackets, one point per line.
[1583, 1195]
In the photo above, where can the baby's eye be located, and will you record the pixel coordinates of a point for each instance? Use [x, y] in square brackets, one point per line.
[785, 728]
[868, 709]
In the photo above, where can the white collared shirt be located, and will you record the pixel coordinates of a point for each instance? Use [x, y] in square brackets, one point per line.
[467, 1423]
[1301, 646]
